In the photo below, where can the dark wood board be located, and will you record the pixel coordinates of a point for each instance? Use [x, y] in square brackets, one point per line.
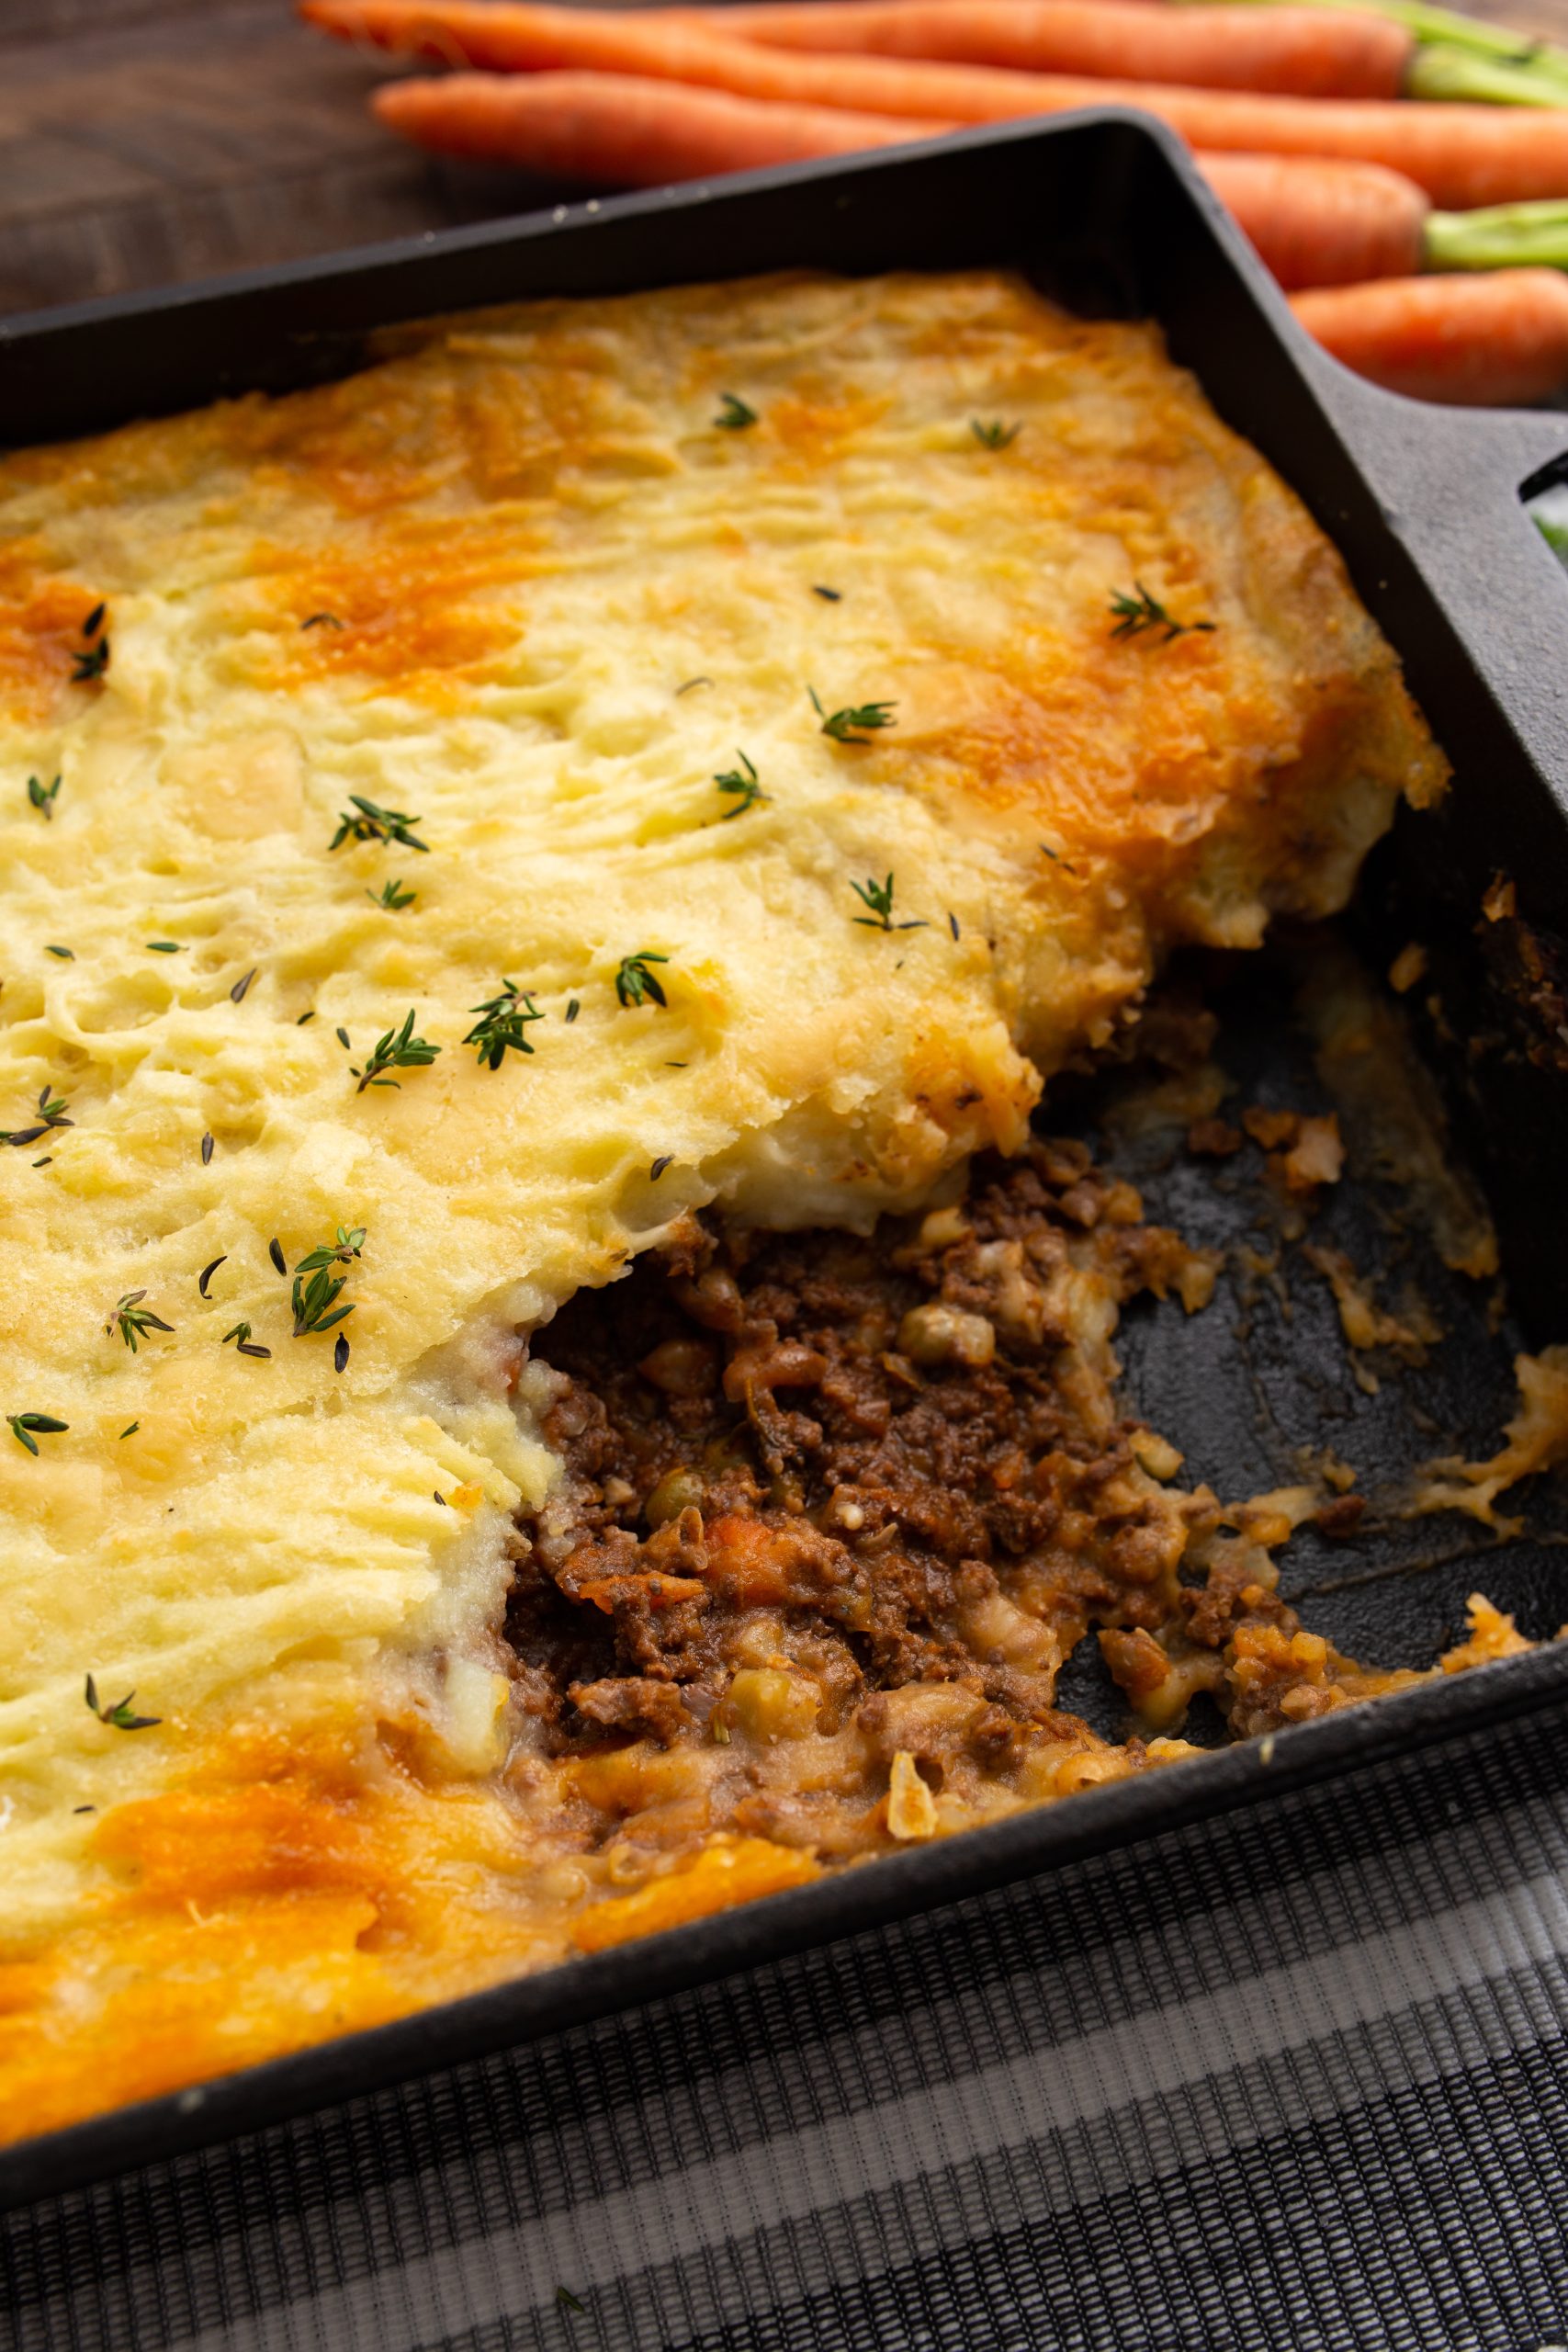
[144, 142]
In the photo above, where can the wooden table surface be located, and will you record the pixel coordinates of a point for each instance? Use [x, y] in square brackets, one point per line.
[147, 141]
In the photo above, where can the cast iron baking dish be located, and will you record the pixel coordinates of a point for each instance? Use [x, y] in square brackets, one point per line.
[1104, 212]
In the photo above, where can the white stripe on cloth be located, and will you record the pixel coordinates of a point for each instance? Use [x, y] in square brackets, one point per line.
[1369, 1992]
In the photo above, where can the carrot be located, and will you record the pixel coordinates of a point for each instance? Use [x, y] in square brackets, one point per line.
[616, 129]
[1308, 52]
[1323, 223]
[1462, 155]
[1314, 224]
[1498, 341]
[1494, 49]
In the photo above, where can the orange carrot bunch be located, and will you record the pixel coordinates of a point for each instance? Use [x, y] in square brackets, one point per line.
[1295, 115]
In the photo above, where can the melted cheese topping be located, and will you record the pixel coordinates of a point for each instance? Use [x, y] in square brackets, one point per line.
[517, 582]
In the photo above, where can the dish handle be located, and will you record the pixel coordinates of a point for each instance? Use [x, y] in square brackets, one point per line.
[1450, 485]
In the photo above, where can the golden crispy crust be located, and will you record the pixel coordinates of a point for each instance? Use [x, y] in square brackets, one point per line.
[518, 582]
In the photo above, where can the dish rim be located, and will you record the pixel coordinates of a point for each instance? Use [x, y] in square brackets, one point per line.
[859, 1899]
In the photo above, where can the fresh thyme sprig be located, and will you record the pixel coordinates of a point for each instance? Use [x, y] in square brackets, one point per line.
[392, 895]
[634, 984]
[734, 416]
[503, 1024]
[120, 1715]
[43, 797]
[1134, 614]
[244, 1344]
[134, 1319]
[878, 897]
[373, 824]
[315, 1302]
[866, 717]
[399, 1049]
[349, 1245]
[743, 784]
[27, 1427]
[992, 434]
[51, 1110]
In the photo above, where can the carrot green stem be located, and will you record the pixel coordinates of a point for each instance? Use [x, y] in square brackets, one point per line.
[1439, 70]
[1498, 236]
[1555, 534]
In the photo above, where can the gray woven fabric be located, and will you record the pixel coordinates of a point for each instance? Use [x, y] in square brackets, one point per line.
[1295, 2079]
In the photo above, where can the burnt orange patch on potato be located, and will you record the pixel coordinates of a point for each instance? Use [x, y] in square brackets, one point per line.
[40, 635]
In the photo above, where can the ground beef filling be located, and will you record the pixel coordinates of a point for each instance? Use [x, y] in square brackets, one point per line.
[837, 1510]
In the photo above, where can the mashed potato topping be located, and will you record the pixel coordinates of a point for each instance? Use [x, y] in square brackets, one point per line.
[786, 722]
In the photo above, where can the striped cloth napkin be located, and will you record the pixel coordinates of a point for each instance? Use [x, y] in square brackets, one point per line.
[1292, 2079]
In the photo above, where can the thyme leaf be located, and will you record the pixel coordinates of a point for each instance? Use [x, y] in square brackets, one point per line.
[120, 1715]
[134, 1319]
[238, 993]
[734, 416]
[392, 895]
[743, 784]
[321, 620]
[399, 1049]
[244, 1345]
[43, 797]
[369, 823]
[51, 1110]
[856, 721]
[634, 984]
[208, 1272]
[90, 662]
[992, 434]
[503, 1026]
[1136, 613]
[28, 1427]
